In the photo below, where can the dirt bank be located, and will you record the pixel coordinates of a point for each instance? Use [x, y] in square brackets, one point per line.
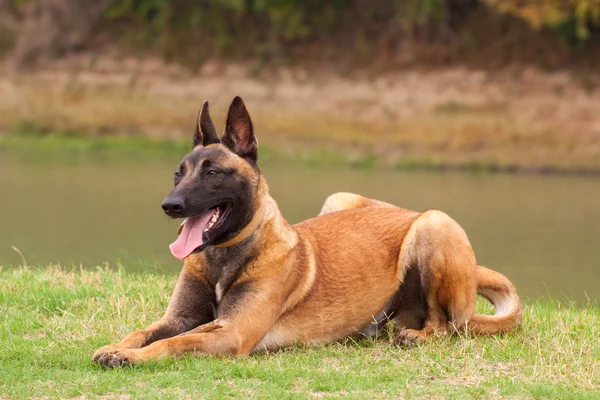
[515, 117]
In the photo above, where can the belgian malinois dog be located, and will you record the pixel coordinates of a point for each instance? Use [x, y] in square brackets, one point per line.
[251, 281]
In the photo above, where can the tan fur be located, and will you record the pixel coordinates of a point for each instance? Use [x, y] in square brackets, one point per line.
[359, 261]
[327, 277]
[422, 242]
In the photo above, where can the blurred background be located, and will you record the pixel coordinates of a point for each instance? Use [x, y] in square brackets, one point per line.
[488, 110]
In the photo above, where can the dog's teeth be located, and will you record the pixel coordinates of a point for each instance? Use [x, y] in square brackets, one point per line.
[212, 220]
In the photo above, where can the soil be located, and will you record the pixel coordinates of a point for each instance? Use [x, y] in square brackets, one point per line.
[515, 116]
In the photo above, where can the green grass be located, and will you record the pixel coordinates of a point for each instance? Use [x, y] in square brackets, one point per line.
[37, 146]
[74, 148]
[40, 147]
[52, 320]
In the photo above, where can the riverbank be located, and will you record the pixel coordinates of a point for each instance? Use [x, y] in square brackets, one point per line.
[53, 320]
[69, 148]
[517, 119]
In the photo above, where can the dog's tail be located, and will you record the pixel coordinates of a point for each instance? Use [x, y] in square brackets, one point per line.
[499, 291]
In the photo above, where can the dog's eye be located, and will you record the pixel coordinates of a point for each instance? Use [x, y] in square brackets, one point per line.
[211, 172]
[177, 174]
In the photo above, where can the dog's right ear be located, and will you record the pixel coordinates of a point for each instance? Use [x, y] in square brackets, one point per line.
[205, 132]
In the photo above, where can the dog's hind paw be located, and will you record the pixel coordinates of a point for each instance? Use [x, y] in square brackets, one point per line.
[409, 337]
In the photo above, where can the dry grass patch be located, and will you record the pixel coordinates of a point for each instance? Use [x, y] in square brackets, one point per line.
[453, 116]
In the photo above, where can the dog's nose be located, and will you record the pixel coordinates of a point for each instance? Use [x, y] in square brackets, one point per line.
[172, 205]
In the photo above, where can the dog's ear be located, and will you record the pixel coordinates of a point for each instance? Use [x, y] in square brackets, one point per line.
[239, 133]
[205, 132]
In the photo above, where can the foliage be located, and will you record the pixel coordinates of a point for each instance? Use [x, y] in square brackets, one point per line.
[276, 31]
[192, 31]
[268, 29]
[555, 13]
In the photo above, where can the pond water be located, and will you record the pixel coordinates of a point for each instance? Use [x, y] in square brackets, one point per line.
[543, 232]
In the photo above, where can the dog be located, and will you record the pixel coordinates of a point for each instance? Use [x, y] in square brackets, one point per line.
[252, 282]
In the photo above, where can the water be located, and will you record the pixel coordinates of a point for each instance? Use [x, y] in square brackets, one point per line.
[541, 231]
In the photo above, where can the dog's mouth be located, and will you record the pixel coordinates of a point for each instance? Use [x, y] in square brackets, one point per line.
[197, 231]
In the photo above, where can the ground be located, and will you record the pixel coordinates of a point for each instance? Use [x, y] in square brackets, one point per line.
[52, 320]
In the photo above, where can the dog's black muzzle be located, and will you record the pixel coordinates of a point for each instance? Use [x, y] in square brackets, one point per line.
[174, 206]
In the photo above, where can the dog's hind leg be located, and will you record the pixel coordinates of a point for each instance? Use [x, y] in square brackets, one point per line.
[438, 247]
[345, 201]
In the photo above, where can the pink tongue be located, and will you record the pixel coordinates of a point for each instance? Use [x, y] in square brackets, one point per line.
[191, 235]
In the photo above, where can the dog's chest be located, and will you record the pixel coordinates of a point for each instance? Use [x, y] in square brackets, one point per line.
[219, 290]
[222, 282]
[224, 267]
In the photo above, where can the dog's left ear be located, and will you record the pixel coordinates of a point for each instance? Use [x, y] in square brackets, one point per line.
[239, 133]
[205, 132]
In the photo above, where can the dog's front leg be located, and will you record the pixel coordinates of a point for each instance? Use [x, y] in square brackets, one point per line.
[245, 317]
[218, 338]
[191, 305]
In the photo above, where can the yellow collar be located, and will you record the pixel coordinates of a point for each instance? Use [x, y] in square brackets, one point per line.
[244, 233]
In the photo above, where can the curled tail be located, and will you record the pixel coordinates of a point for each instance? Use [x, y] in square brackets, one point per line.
[499, 291]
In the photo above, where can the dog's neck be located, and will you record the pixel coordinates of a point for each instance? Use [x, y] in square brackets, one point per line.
[226, 262]
[266, 213]
[247, 230]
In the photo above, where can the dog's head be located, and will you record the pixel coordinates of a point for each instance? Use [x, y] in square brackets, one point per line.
[216, 185]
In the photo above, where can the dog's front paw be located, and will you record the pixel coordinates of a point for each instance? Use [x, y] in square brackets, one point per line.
[111, 348]
[112, 360]
[116, 358]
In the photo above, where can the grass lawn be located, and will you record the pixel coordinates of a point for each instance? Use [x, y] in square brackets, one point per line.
[52, 320]
[125, 149]
[73, 148]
